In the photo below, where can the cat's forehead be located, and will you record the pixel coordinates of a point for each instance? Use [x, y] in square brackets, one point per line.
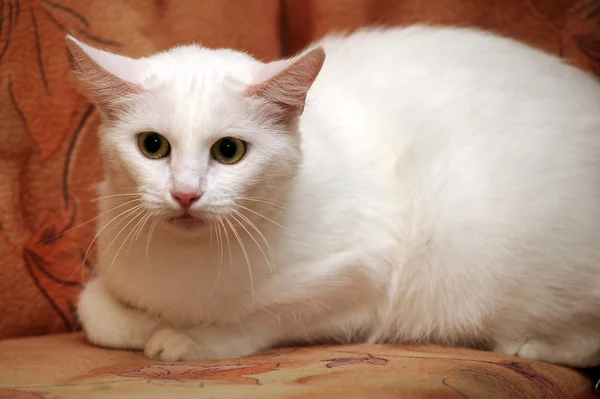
[195, 92]
[192, 115]
[187, 65]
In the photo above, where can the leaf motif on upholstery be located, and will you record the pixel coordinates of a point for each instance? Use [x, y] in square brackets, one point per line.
[238, 373]
[351, 361]
[43, 92]
[554, 15]
[35, 61]
[585, 29]
[590, 46]
[49, 257]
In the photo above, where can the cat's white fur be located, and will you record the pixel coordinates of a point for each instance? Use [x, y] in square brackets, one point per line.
[442, 185]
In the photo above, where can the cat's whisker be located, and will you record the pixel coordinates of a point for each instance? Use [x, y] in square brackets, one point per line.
[113, 196]
[140, 212]
[253, 225]
[220, 244]
[227, 239]
[243, 247]
[253, 239]
[137, 229]
[220, 250]
[133, 231]
[269, 258]
[80, 266]
[91, 220]
[264, 217]
[260, 200]
[118, 219]
[87, 253]
[153, 227]
[123, 219]
[151, 219]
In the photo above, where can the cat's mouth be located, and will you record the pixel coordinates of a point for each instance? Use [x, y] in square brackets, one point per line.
[186, 221]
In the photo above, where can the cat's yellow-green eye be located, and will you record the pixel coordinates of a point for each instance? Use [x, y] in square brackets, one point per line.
[228, 150]
[153, 145]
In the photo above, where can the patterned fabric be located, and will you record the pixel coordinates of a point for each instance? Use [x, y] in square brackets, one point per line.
[49, 164]
[66, 367]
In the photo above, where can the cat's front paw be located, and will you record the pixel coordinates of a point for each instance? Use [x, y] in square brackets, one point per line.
[171, 345]
[109, 323]
[578, 351]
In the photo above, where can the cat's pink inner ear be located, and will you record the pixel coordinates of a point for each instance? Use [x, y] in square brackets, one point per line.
[288, 88]
[97, 84]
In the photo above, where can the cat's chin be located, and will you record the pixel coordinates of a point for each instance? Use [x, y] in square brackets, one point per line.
[187, 223]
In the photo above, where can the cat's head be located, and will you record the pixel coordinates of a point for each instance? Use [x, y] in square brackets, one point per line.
[197, 134]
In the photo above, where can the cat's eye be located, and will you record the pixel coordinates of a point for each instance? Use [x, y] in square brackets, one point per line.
[228, 150]
[153, 145]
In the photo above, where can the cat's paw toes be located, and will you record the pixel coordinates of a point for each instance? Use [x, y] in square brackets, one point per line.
[510, 348]
[574, 353]
[171, 345]
[534, 349]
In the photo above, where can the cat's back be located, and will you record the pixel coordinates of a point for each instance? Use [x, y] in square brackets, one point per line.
[429, 51]
[399, 67]
[434, 88]
[446, 116]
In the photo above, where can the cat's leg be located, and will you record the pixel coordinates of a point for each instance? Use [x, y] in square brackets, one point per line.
[204, 343]
[572, 350]
[109, 323]
[299, 305]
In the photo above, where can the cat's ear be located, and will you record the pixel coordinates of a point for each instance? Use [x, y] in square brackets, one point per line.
[288, 83]
[105, 79]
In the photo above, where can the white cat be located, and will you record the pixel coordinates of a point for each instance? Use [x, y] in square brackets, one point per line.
[410, 185]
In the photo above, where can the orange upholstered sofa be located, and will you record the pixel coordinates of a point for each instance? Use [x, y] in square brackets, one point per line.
[49, 166]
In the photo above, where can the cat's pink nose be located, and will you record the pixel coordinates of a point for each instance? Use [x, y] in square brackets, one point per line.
[185, 199]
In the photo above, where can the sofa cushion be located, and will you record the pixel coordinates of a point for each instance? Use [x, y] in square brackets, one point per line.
[66, 366]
